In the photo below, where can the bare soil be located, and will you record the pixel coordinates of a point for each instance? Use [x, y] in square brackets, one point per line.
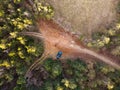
[57, 39]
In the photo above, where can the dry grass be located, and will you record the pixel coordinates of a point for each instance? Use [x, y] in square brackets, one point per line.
[84, 16]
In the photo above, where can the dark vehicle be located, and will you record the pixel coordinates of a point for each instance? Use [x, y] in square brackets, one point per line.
[59, 54]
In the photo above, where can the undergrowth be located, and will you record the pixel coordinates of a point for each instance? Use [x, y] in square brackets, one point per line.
[18, 52]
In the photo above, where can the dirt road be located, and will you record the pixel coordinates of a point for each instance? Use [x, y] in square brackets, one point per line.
[56, 39]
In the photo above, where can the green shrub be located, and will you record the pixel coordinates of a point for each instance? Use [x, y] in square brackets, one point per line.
[18, 52]
[109, 40]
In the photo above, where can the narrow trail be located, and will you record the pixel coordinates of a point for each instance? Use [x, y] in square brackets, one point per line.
[56, 39]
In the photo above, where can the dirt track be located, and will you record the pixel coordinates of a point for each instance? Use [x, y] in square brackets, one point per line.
[56, 39]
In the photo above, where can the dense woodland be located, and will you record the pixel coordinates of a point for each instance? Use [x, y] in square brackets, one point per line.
[18, 52]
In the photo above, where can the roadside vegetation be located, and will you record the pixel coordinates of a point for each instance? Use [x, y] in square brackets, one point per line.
[18, 52]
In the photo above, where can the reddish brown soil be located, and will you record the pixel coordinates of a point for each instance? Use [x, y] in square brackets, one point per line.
[56, 39]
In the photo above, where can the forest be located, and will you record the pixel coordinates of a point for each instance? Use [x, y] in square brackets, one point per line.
[30, 40]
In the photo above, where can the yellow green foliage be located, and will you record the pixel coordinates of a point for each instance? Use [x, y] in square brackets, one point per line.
[109, 39]
[17, 52]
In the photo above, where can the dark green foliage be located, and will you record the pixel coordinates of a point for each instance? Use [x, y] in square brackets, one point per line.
[53, 67]
[76, 75]
[17, 52]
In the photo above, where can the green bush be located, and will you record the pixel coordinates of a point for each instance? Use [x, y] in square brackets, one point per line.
[109, 40]
[18, 52]
[76, 75]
